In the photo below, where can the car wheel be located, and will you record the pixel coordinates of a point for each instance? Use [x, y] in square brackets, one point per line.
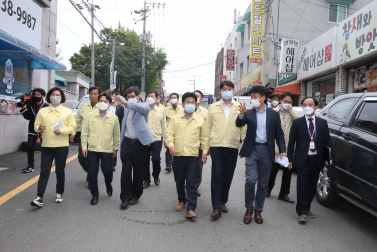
[327, 193]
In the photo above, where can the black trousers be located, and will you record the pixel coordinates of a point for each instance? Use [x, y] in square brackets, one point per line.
[154, 150]
[47, 157]
[307, 178]
[198, 178]
[224, 161]
[31, 139]
[133, 156]
[285, 179]
[93, 166]
[82, 160]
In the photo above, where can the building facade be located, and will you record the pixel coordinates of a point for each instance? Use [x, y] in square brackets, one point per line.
[27, 60]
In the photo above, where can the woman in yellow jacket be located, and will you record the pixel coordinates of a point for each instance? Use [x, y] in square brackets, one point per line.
[56, 123]
[100, 139]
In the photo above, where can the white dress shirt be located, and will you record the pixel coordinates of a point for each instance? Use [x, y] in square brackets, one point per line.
[227, 109]
[307, 123]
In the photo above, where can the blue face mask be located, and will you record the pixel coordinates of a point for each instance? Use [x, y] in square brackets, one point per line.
[227, 95]
[189, 108]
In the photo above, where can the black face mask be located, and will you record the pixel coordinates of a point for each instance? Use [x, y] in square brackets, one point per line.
[36, 99]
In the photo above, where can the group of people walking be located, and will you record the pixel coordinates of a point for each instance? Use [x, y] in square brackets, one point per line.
[190, 133]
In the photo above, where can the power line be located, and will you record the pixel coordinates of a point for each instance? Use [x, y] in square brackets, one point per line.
[299, 18]
[71, 30]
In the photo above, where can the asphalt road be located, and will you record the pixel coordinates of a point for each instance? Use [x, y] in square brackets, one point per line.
[154, 225]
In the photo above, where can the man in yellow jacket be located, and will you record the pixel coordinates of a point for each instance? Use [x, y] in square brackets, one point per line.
[170, 112]
[203, 112]
[186, 133]
[100, 139]
[224, 140]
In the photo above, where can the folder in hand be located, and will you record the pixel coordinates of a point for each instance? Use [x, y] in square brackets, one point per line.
[327, 154]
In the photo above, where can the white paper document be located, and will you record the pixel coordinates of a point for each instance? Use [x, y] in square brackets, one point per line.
[59, 125]
[284, 162]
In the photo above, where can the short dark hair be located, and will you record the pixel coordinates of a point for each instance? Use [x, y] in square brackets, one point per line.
[200, 92]
[114, 92]
[285, 94]
[259, 89]
[133, 89]
[94, 88]
[226, 83]
[39, 90]
[276, 96]
[55, 89]
[151, 92]
[188, 95]
[174, 94]
[309, 97]
[108, 97]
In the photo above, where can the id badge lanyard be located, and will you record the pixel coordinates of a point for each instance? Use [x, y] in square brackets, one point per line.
[311, 137]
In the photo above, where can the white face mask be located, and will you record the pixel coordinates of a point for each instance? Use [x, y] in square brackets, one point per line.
[274, 103]
[255, 103]
[158, 101]
[173, 101]
[55, 99]
[132, 100]
[198, 101]
[150, 101]
[103, 106]
[308, 111]
[284, 106]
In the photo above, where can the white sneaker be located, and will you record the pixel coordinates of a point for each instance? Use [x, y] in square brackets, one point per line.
[38, 202]
[59, 198]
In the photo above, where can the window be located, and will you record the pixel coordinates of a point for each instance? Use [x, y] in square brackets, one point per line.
[247, 64]
[248, 30]
[366, 119]
[241, 70]
[340, 110]
[337, 13]
[242, 39]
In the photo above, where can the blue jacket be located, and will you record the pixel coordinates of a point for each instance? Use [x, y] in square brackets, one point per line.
[140, 121]
[274, 132]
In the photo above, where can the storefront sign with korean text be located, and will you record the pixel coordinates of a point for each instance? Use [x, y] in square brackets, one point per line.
[257, 31]
[222, 78]
[284, 78]
[288, 56]
[317, 56]
[357, 35]
[230, 59]
[23, 20]
[254, 77]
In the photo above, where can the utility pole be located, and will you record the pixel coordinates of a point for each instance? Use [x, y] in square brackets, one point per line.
[92, 57]
[112, 79]
[267, 41]
[143, 49]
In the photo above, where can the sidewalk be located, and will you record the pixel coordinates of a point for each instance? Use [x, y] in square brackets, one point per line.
[11, 165]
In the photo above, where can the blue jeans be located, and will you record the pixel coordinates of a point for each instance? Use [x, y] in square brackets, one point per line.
[154, 149]
[258, 169]
[93, 166]
[185, 170]
[224, 161]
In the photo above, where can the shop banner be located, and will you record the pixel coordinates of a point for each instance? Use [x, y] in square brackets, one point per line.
[8, 105]
[357, 34]
[254, 77]
[23, 20]
[256, 31]
[317, 56]
[284, 78]
[365, 76]
[288, 56]
[222, 78]
[230, 60]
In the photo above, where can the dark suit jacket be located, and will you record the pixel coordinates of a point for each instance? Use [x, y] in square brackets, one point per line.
[273, 128]
[119, 112]
[299, 137]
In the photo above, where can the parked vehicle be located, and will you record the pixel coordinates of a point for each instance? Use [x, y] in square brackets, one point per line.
[352, 120]
[83, 100]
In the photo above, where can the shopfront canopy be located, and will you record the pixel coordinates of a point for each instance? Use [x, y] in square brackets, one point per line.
[11, 47]
[293, 88]
[60, 81]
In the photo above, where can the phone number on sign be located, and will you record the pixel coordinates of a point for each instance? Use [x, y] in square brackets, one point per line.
[26, 19]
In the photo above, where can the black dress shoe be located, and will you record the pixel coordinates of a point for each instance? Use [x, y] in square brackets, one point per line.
[109, 190]
[268, 193]
[224, 209]
[124, 205]
[197, 193]
[94, 201]
[157, 181]
[146, 184]
[134, 201]
[216, 213]
[168, 169]
[285, 198]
